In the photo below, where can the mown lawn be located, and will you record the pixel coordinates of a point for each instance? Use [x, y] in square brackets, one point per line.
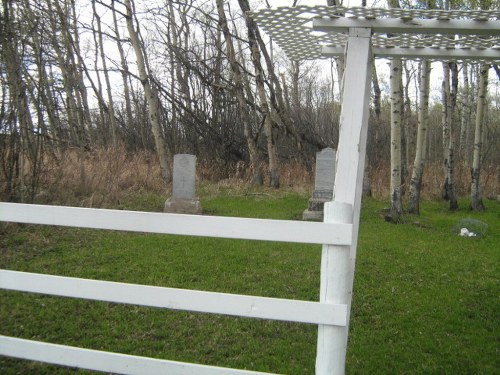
[426, 301]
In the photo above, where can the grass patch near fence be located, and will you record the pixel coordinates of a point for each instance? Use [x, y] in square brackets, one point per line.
[425, 299]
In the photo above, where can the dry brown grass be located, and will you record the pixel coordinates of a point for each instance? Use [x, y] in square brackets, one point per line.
[433, 180]
[99, 178]
[107, 177]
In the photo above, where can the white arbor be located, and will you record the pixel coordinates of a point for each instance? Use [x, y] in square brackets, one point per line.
[359, 35]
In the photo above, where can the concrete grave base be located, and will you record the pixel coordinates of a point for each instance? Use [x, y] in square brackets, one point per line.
[190, 206]
[312, 215]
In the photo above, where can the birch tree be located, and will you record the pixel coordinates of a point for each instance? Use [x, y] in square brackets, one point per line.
[465, 118]
[265, 107]
[423, 123]
[11, 54]
[396, 99]
[240, 94]
[476, 201]
[151, 93]
[111, 105]
[449, 97]
[396, 117]
[123, 69]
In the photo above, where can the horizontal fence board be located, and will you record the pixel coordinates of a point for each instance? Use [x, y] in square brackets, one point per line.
[105, 361]
[192, 225]
[177, 299]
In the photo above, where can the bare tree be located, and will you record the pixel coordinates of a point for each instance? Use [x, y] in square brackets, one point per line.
[465, 116]
[449, 96]
[239, 91]
[22, 129]
[476, 201]
[151, 93]
[272, 151]
[123, 68]
[423, 123]
[111, 105]
[396, 117]
[396, 99]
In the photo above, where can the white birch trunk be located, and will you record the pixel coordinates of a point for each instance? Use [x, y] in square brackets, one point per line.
[449, 92]
[151, 95]
[466, 116]
[396, 101]
[239, 89]
[423, 122]
[476, 201]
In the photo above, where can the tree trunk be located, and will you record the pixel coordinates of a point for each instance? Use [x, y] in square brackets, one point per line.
[151, 95]
[449, 100]
[476, 203]
[272, 151]
[396, 105]
[12, 59]
[371, 146]
[74, 40]
[123, 70]
[407, 131]
[423, 122]
[240, 94]
[111, 105]
[463, 153]
[74, 129]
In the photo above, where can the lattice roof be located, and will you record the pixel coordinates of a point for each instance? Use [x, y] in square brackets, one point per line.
[292, 29]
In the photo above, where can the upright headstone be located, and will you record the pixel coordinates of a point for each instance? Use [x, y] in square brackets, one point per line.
[324, 179]
[184, 200]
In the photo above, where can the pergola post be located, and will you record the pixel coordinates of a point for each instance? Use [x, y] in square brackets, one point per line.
[312, 32]
[337, 262]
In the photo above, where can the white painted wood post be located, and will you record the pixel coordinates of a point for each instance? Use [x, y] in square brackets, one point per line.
[335, 276]
[337, 263]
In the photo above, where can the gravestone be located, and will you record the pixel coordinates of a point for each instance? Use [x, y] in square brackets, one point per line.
[184, 200]
[324, 179]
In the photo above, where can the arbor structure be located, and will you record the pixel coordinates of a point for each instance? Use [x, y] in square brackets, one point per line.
[370, 32]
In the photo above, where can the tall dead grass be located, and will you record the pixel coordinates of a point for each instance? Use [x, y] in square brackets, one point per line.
[99, 178]
[106, 177]
[433, 180]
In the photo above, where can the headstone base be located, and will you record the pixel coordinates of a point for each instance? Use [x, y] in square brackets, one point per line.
[312, 215]
[183, 206]
[316, 205]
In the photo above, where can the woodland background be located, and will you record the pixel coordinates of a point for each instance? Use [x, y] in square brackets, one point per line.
[97, 96]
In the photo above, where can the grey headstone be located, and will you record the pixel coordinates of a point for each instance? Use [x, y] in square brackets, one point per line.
[324, 180]
[184, 176]
[183, 200]
[324, 177]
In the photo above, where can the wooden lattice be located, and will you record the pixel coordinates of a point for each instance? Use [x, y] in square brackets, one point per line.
[292, 28]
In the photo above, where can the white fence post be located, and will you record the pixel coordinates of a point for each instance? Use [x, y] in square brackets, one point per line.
[335, 278]
[337, 263]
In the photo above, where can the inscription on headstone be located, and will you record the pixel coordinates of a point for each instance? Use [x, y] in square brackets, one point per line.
[184, 198]
[324, 179]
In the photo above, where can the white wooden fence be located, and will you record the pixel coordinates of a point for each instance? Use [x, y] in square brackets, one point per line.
[321, 313]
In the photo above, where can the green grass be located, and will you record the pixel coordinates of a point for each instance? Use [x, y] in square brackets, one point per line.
[425, 300]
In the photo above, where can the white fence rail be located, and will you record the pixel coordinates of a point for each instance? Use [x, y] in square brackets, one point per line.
[323, 314]
[191, 225]
[176, 299]
[106, 361]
